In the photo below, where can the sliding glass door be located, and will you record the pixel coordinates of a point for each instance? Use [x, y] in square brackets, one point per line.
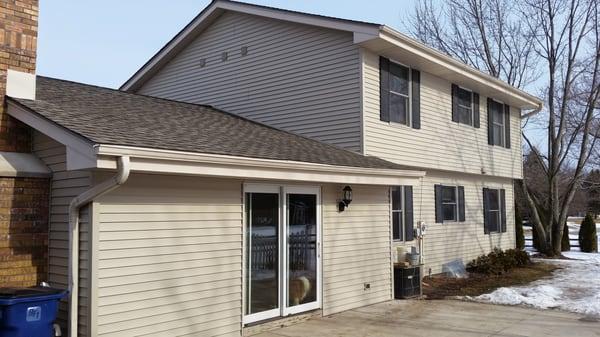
[282, 254]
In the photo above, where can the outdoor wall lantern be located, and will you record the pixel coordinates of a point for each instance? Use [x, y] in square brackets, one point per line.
[346, 198]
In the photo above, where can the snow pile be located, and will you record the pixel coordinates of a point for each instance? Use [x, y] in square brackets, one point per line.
[575, 287]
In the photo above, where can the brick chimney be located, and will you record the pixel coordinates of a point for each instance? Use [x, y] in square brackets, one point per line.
[23, 200]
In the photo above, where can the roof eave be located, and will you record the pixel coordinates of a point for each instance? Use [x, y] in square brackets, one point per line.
[455, 68]
[178, 162]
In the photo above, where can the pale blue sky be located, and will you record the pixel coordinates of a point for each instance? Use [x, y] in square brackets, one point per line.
[105, 42]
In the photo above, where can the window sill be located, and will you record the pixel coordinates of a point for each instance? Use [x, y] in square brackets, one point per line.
[403, 242]
[465, 125]
[397, 124]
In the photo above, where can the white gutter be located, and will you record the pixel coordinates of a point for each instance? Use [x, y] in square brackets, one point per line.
[123, 169]
[533, 112]
[177, 162]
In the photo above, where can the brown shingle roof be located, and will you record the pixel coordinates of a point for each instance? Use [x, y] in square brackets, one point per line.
[107, 116]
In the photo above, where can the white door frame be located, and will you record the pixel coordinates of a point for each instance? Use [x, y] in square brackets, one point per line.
[263, 315]
[283, 309]
[287, 310]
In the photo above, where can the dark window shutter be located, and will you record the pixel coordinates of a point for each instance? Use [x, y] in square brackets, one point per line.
[507, 125]
[438, 204]
[416, 99]
[490, 122]
[486, 211]
[455, 103]
[476, 110]
[384, 89]
[408, 213]
[503, 210]
[461, 203]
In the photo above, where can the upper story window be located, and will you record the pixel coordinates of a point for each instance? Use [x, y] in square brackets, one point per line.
[498, 123]
[449, 203]
[494, 210]
[465, 106]
[402, 213]
[399, 93]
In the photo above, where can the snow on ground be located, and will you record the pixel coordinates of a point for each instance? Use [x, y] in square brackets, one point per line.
[575, 287]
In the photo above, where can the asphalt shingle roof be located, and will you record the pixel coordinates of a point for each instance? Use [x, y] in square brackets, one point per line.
[107, 116]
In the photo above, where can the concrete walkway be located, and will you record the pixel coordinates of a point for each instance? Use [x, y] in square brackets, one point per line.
[443, 318]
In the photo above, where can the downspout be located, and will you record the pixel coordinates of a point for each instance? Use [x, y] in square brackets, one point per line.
[123, 168]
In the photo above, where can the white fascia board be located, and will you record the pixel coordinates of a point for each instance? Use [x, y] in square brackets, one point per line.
[429, 54]
[78, 147]
[175, 162]
[298, 17]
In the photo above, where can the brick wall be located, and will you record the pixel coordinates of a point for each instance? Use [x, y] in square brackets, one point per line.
[18, 43]
[23, 231]
[23, 201]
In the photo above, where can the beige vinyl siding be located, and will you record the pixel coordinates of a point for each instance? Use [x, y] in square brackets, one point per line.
[170, 258]
[440, 144]
[295, 77]
[65, 186]
[356, 248]
[460, 240]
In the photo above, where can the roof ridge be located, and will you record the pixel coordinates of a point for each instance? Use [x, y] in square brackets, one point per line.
[210, 107]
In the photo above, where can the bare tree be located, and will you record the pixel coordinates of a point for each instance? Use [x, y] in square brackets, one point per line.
[567, 37]
[513, 40]
[486, 34]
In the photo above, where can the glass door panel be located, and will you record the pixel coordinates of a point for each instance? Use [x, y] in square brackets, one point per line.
[302, 252]
[262, 255]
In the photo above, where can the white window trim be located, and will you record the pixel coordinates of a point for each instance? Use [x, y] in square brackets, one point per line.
[409, 111]
[503, 142]
[499, 211]
[456, 206]
[401, 211]
[472, 108]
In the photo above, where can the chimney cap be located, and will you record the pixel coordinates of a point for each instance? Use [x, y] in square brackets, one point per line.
[20, 84]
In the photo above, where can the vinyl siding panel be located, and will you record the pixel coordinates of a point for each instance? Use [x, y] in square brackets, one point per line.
[65, 186]
[295, 77]
[460, 240]
[440, 144]
[356, 248]
[170, 258]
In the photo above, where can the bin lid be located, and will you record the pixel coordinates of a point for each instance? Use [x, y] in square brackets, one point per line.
[13, 293]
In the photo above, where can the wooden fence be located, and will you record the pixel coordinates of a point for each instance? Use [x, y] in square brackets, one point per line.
[265, 252]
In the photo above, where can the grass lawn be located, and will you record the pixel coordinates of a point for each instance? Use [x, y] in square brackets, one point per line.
[440, 287]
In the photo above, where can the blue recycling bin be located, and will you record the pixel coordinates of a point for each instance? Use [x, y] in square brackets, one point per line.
[28, 312]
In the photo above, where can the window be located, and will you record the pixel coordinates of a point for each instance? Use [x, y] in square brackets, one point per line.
[465, 106]
[494, 210]
[497, 121]
[397, 214]
[402, 213]
[399, 93]
[449, 203]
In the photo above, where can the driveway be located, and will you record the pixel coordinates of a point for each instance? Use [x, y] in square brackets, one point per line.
[443, 318]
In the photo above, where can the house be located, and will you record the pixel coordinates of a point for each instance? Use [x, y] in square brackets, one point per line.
[264, 164]
[370, 89]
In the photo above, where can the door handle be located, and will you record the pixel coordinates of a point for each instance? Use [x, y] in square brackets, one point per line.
[319, 249]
